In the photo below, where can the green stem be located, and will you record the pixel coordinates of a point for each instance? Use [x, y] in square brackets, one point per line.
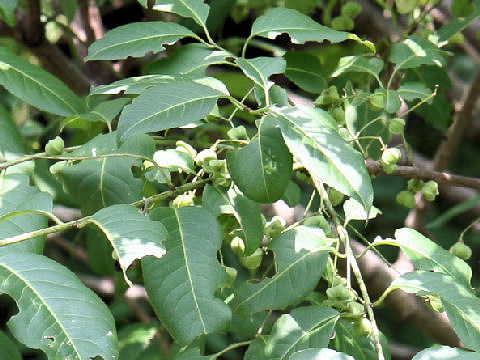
[244, 49]
[25, 158]
[229, 348]
[28, 212]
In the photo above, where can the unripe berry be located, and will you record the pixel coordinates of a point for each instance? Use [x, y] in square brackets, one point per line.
[327, 96]
[238, 246]
[183, 200]
[335, 196]
[415, 185]
[55, 146]
[339, 292]
[461, 250]
[391, 156]
[275, 226]
[396, 125]
[430, 190]
[252, 262]
[362, 327]
[406, 198]
[339, 115]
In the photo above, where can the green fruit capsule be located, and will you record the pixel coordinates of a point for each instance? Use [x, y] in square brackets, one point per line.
[461, 250]
[327, 96]
[204, 157]
[430, 190]
[362, 327]
[391, 156]
[355, 308]
[232, 274]
[415, 185]
[339, 115]
[377, 101]
[183, 200]
[351, 9]
[343, 22]
[406, 198]
[238, 246]
[275, 227]
[339, 292]
[55, 146]
[396, 125]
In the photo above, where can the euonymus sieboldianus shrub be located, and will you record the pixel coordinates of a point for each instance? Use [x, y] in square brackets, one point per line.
[170, 189]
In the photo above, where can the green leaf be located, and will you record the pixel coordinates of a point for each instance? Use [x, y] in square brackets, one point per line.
[320, 354]
[69, 7]
[191, 354]
[414, 52]
[458, 24]
[174, 160]
[369, 65]
[189, 60]
[438, 113]
[391, 100]
[11, 143]
[261, 68]
[7, 8]
[136, 340]
[355, 211]
[104, 112]
[182, 283]
[131, 234]
[461, 305]
[57, 313]
[98, 183]
[132, 85]
[136, 39]
[427, 255]
[246, 211]
[166, 106]
[414, 90]
[305, 327]
[17, 195]
[298, 26]
[37, 87]
[441, 352]
[195, 9]
[361, 348]
[300, 258]
[312, 138]
[262, 169]
[306, 71]
[8, 350]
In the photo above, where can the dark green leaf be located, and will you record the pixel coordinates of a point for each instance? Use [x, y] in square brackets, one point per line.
[246, 211]
[98, 183]
[17, 195]
[300, 258]
[7, 8]
[312, 138]
[414, 52]
[181, 284]
[189, 60]
[136, 39]
[261, 68]
[11, 143]
[427, 255]
[191, 354]
[57, 313]
[69, 7]
[413, 90]
[104, 112]
[8, 350]
[136, 340]
[361, 348]
[305, 71]
[461, 305]
[438, 352]
[262, 169]
[131, 85]
[298, 26]
[166, 106]
[438, 113]
[369, 65]
[305, 327]
[195, 9]
[131, 234]
[36, 86]
[458, 24]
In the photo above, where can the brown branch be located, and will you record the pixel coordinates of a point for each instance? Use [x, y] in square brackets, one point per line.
[34, 33]
[375, 168]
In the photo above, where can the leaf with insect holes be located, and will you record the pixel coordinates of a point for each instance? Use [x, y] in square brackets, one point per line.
[57, 313]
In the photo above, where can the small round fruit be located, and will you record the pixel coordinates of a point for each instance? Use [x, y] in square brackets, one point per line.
[461, 250]
[339, 292]
[396, 125]
[55, 146]
[430, 190]
[339, 115]
[406, 198]
[232, 274]
[238, 246]
[362, 327]
[415, 185]
[391, 156]
[274, 227]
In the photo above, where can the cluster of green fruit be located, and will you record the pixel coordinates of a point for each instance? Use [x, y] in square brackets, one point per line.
[348, 13]
[407, 197]
[330, 100]
[344, 299]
